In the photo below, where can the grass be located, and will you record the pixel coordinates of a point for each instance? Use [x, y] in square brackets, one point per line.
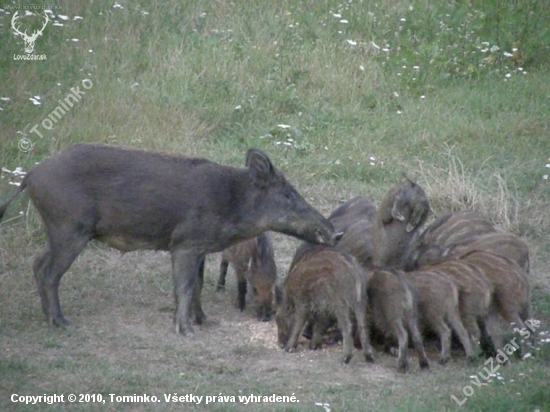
[345, 97]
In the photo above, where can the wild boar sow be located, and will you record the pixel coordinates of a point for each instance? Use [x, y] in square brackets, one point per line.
[134, 199]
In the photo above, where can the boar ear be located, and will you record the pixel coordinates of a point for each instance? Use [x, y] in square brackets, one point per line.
[260, 168]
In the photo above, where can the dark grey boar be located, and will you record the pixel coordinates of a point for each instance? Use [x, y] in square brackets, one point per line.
[254, 263]
[134, 199]
[402, 211]
[393, 303]
[323, 283]
[438, 310]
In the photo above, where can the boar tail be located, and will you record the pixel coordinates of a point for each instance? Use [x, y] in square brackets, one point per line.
[19, 189]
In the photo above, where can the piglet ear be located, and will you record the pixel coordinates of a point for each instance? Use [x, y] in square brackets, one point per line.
[260, 168]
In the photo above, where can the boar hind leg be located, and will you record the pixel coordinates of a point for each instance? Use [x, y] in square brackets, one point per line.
[457, 326]
[444, 334]
[241, 292]
[418, 343]
[403, 341]
[186, 265]
[344, 323]
[319, 330]
[493, 330]
[224, 264]
[49, 267]
[363, 330]
[301, 315]
[200, 317]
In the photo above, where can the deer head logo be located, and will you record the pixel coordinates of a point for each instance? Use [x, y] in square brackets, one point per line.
[29, 40]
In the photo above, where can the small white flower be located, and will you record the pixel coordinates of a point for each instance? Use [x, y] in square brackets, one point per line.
[62, 17]
[351, 42]
[77, 18]
[344, 21]
[403, 19]
[238, 107]
[75, 40]
[361, 67]
[422, 97]
[508, 75]
[5, 99]
[337, 15]
[284, 126]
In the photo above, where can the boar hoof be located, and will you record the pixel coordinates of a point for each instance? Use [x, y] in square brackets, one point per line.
[314, 345]
[60, 321]
[184, 330]
[472, 360]
[424, 365]
[200, 317]
[403, 368]
[443, 361]
[289, 349]
[369, 358]
[346, 359]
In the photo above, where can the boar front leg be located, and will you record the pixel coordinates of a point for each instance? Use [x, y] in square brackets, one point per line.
[186, 266]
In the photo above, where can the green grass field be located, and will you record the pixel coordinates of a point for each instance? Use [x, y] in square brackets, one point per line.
[344, 97]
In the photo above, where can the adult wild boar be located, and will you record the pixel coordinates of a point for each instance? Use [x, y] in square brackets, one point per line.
[254, 264]
[135, 199]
